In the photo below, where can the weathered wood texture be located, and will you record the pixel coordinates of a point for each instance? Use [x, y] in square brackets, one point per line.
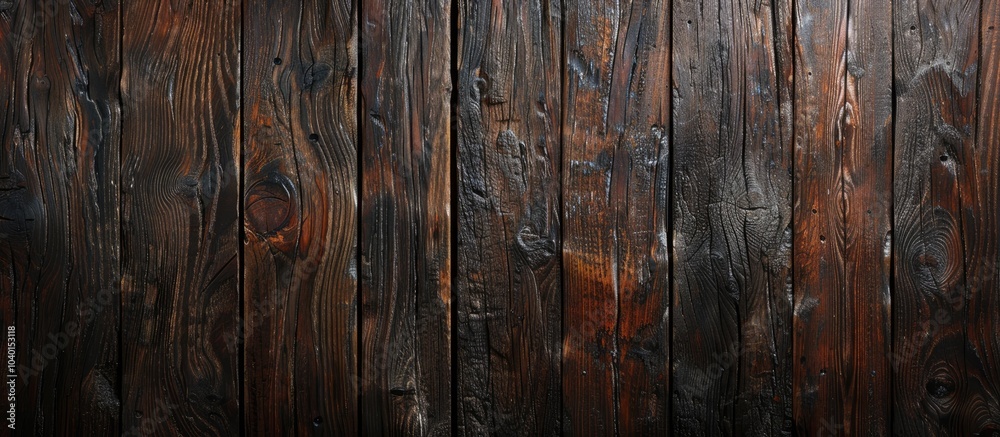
[982, 227]
[180, 222]
[843, 213]
[616, 186]
[59, 213]
[731, 228]
[406, 377]
[945, 187]
[673, 217]
[300, 206]
[508, 283]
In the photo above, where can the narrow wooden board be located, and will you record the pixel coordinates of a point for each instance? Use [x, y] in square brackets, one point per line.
[843, 208]
[59, 215]
[300, 204]
[180, 217]
[936, 60]
[981, 196]
[406, 378]
[508, 284]
[863, 317]
[732, 215]
[616, 189]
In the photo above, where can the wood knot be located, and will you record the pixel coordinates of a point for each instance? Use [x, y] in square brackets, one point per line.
[269, 204]
[940, 388]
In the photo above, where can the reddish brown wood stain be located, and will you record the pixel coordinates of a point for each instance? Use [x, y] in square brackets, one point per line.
[532, 217]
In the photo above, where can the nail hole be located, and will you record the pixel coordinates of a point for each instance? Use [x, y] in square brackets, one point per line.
[689, 21]
[914, 28]
[814, 211]
[822, 372]
[944, 158]
[277, 61]
[313, 137]
[317, 421]
[822, 238]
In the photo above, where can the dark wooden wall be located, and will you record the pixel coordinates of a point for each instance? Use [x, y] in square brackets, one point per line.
[530, 217]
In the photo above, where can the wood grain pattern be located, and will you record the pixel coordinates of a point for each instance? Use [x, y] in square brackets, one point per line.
[59, 213]
[616, 186]
[300, 205]
[863, 358]
[982, 225]
[732, 213]
[843, 206]
[675, 217]
[180, 217]
[406, 378]
[508, 284]
[937, 385]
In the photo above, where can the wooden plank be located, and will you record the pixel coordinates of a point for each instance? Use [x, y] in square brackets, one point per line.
[180, 212]
[867, 146]
[300, 202]
[59, 213]
[508, 283]
[843, 205]
[981, 197]
[406, 217]
[936, 58]
[732, 215]
[616, 186]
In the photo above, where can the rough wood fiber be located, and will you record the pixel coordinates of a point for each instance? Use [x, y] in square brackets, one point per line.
[406, 218]
[938, 381]
[59, 212]
[732, 214]
[180, 205]
[300, 205]
[982, 200]
[616, 187]
[843, 208]
[508, 284]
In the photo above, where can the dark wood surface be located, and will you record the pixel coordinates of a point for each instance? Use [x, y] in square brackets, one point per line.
[300, 206]
[59, 214]
[531, 217]
[732, 216]
[406, 222]
[180, 167]
[944, 189]
[615, 190]
[843, 212]
[508, 286]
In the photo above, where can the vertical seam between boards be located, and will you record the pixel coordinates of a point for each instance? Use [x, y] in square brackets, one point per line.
[359, 199]
[241, 242]
[454, 214]
[121, 225]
